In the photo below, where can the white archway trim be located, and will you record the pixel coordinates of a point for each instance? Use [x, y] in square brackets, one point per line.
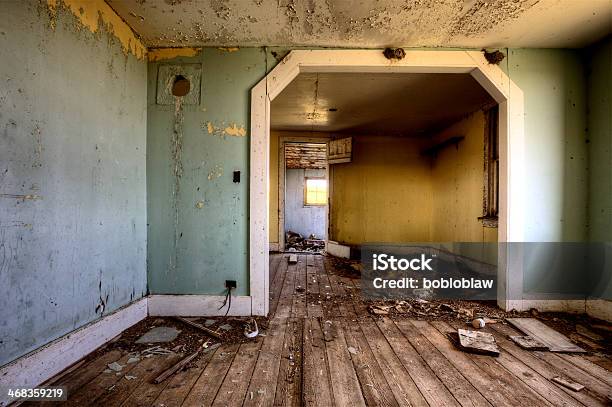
[511, 136]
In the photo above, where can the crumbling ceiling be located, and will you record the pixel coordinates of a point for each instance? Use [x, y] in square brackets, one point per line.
[394, 104]
[367, 23]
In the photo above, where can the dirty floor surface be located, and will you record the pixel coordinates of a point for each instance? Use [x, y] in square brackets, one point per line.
[322, 347]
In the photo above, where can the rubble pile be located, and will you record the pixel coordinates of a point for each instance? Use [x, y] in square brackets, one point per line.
[294, 242]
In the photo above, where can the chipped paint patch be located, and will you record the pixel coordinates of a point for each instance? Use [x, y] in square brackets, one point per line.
[93, 12]
[225, 129]
[162, 54]
[234, 130]
[199, 204]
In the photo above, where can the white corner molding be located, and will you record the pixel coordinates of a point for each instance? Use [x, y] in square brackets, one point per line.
[42, 364]
[511, 144]
[338, 250]
[165, 305]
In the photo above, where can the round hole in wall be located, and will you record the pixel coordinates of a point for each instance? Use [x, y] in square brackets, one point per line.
[181, 86]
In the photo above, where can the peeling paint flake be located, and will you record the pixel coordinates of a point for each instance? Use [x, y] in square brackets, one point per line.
[91, 12]
[234, 130]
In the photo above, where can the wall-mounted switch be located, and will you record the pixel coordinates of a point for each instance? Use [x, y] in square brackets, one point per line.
[236, 176]
[230, 284]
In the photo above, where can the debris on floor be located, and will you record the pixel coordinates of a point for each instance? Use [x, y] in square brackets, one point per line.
[202, 328]
[477, 342]
[568, 383]
[554, 340]
[251, 330]
[529, 343]
[159, 334]
[176, 367]
[294, 242]
[115, 366]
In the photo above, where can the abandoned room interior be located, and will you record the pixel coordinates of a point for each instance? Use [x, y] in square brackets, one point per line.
[326, 203]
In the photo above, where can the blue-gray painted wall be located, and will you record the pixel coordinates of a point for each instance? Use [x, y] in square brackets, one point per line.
[72, 176]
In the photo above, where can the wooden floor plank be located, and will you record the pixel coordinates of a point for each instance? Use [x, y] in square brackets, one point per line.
[403, 387]
[601, 389]
[99, 385]
[289, 384]
[265, 375]
[316, 381]
[590, 367]
[205, 389]
[233, 389]
[375, 389]
[144, 371]
[432, 389]
[462, 390]
[541, 367]
[179, 385]
[470, 370]
[276, 285]
[506, 381]
[344, 382]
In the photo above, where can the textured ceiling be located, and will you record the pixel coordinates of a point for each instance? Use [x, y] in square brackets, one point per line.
[404, 104]
[367, 23]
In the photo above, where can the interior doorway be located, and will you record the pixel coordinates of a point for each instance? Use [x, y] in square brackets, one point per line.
[304, 197]
[503, 92]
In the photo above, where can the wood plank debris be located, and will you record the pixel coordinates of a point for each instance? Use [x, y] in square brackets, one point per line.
[202, 328]
[175, 368]
[556, 342]
[568, 383]
[477, 342]
[529, 343]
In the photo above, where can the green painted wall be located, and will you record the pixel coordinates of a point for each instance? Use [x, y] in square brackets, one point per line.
[599, 88]
[198, 236]
[72, 176]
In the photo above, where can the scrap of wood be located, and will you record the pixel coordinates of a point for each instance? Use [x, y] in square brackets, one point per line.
[568, 383]
[293, 259]
[529, 343]
[477, 342]
[202, 328]
[175, 368]
[555, 341]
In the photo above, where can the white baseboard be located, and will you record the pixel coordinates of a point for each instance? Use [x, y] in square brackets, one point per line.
[338, 250]
[571, 306]
[601, 309]
[42, 364]
[274, 247]
[164, 305]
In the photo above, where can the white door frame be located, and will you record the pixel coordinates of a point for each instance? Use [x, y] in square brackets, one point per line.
[511, 145]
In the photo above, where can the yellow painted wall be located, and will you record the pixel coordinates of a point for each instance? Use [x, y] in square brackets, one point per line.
[384, 194]
[391, 193]
[457, 179]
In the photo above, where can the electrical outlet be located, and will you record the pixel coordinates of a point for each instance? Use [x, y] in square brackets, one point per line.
[230, 284]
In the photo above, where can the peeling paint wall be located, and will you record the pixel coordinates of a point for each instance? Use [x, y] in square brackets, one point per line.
[198, 221]
[72, 175]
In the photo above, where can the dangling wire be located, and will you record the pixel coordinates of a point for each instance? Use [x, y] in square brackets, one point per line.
[228, 301]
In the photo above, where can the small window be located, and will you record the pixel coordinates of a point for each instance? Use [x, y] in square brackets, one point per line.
[315, 191]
